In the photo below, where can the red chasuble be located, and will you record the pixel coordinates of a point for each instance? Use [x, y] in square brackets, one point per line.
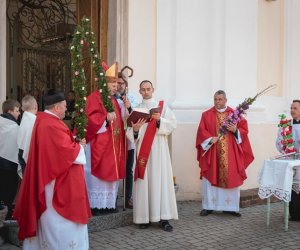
[225, 162]
[107, 148]
[51, 157]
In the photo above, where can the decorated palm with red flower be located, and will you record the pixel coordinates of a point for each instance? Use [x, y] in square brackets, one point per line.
[287, 141]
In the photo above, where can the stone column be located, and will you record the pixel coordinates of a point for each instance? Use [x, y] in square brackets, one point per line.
[292, 50]
[3, 59]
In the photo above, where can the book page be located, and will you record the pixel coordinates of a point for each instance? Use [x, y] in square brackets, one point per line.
[142, 110]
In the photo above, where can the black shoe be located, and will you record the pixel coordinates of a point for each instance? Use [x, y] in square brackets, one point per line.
[166, 226]
[113, 210]
[144, 226]
[205, 212]
[293, 219]
[236, 214]
[129, 204]
[95, 212]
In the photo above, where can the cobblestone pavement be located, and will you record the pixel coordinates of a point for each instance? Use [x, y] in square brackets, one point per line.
[216, 231]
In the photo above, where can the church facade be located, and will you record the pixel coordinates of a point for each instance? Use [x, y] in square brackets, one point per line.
[189, 50]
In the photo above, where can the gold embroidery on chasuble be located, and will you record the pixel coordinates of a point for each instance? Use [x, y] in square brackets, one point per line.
[116, 127]
[222, 153]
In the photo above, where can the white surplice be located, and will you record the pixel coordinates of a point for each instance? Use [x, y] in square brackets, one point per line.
[154, 196]
[54, 231]
[217, 198]
[25, 131]
[102, 194]
[24, 136]
[220, 199]
[296, 138]
[8, 134]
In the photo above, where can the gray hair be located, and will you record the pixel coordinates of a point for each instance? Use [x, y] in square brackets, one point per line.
[220, 92]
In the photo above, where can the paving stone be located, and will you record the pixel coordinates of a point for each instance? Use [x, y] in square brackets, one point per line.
[214, 232]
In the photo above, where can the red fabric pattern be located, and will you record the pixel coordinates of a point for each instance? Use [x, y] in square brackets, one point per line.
[107, 148]
[239, 155]
[51, 156]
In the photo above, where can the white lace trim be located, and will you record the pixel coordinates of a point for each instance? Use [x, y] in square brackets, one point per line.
[103, 199]
[266, 192]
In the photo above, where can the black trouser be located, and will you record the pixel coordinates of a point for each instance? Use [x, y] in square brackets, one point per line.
[294, 206]
[8, 188]
[129, 174]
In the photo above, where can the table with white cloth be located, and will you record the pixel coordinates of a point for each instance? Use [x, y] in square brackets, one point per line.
[279, 177]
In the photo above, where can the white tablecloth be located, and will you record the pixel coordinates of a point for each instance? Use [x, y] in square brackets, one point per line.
[277, 177]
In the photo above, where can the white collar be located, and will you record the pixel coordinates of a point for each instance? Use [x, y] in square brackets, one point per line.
[221, 110]
[146, 101]
[50, 113]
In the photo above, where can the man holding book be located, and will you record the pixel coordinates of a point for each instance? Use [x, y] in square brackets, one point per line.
[153, 194]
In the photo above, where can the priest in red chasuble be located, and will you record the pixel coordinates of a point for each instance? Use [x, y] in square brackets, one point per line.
[52, 207]
[105, 147]
[223, 166]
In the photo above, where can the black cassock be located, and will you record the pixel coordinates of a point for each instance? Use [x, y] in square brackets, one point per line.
[294, 205]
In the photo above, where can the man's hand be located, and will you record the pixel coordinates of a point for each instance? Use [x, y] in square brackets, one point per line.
[136, 126]
[82, 142]
[214, 140]
[155, 116]
[231, 127]
[111, 116]
[126, 102]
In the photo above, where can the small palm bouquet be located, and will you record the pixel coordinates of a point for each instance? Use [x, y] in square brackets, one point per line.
[287, 141]
[240, 111]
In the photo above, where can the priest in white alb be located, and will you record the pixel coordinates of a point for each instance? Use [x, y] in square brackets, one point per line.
[153, 194]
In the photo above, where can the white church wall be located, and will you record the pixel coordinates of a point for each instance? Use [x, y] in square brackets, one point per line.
[200, 47]
[189, 49]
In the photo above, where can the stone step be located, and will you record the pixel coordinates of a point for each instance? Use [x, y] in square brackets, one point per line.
[96, 224]
[250, 197]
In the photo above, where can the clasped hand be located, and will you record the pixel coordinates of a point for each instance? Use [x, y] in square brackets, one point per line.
[136, 126]
[155, 116]
[111, 116]
[231, 127]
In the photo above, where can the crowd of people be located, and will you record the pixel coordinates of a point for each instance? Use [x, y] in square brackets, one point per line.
[65, 180]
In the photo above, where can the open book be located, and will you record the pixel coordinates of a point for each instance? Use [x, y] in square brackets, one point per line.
[141, 113]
